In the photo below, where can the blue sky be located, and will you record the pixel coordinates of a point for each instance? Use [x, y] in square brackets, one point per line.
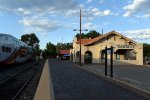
[52, 20]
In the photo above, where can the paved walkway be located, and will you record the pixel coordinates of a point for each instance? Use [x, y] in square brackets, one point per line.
[72, 83]
[138, 76]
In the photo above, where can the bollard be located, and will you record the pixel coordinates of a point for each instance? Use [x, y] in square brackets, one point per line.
[111, 63]
[105, 61]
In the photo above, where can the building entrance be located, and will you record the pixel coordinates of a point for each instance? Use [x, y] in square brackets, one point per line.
[88, 57]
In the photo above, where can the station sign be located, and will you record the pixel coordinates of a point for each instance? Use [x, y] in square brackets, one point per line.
[124, 46]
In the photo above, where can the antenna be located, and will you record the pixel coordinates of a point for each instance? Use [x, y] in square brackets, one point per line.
[62, 43]
[62, 39]
[102, 31]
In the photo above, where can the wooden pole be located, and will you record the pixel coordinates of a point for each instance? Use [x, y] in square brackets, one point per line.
[80, 37]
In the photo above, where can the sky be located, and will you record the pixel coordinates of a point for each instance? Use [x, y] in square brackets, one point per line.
[54, 20]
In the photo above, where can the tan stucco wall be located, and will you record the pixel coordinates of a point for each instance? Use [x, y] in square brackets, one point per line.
[112, 41]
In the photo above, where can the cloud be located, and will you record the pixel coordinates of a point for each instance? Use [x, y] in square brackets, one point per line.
[106, 12]
[46, 11]
[106, 23]
[130, 21]
[88, 1]
[88, 13]
[101, 1]
[40, 25]
[137, 34]
[97, 12]
[115, 14]
[136, 7]
[102, 13]
[24, 7]
[72, 13]
[89, 26]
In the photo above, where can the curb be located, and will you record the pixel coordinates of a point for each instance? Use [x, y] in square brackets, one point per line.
[129, 87]
[45, 87]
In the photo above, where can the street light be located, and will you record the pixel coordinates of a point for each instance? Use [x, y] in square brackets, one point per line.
[80, 36]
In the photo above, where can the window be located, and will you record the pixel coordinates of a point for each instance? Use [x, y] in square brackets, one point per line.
[130, 55]
[3, 49]
[6, 49]
[117, 56]
[9, 50]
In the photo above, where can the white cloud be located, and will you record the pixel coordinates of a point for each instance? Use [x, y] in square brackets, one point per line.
[146, 16]
[115, 14]
[130, 21]
[72, 13]
[102, 13]
[24, 7]
[137, 34]
[106, 12]
[136, 7]
[88, 13]
[101, 1]
[40, 25]
[95, 10]
[88, 1]
[89, 18]
[81, 6]
[46, 11]
[106, 23]
[89, 26]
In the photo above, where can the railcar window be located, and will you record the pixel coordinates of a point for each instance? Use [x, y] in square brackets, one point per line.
[9, 50]
[6, 49]
[3, 49]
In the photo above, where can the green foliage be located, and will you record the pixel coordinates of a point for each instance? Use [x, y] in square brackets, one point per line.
[92, 34]
[30, 39]
[33, 41]
[37, 50]
[83, 36]
[50, 49]
[146, 50]
[63, 46]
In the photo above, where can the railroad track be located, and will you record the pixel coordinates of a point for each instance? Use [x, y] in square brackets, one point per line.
[13, 86]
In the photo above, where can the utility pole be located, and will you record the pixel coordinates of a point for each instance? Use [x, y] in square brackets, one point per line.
[80, 37]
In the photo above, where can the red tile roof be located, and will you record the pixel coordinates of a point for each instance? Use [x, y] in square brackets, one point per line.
[84, 41]
[90, 41]
[64, 51]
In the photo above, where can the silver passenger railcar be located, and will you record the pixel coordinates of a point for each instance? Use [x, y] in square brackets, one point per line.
[13, 50]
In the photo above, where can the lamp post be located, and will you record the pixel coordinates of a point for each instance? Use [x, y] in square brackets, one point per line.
[80, 36]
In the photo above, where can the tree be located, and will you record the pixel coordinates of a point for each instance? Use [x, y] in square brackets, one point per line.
[92, 34]
[63, 46]
[37, 50]
[146, 50]
[30, 39]
[33, 41]
[50, 50]
[83, 36]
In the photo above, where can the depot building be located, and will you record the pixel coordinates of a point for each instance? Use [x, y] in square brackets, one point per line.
[125, 50]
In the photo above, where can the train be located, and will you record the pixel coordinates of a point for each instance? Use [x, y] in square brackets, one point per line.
[13, 50]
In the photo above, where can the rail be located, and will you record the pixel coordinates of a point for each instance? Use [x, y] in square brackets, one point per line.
[13, 86]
